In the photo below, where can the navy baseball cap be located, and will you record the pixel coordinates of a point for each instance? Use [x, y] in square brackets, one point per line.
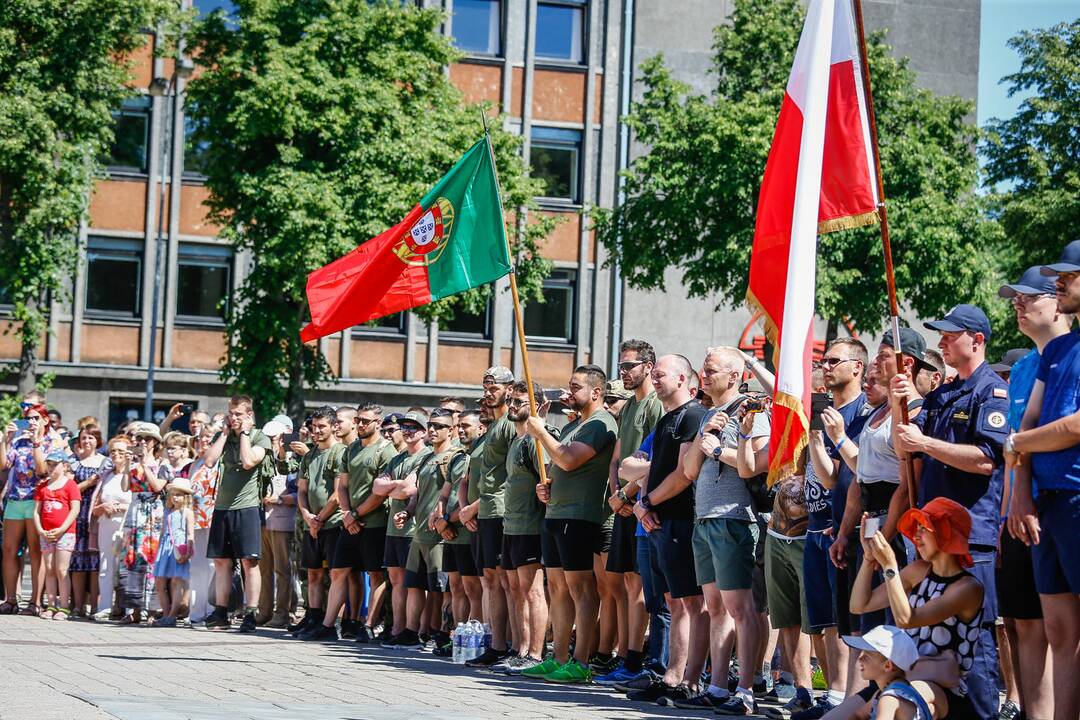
[961, 318]
[912, 343]
[1032, 282]
[1070, 260]
[393, 418]
[1010, 359]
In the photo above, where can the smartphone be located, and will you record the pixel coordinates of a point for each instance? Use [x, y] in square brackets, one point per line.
[186, 408]
[755, 404]
[871, 526]
[287, 438]
[22, 425]
[818, 403]
[553, 395]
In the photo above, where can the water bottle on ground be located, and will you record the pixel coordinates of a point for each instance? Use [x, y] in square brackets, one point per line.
[487, 637]
[459, 646]
[476, 647]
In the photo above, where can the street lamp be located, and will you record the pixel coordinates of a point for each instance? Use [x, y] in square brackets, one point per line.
[160, 87]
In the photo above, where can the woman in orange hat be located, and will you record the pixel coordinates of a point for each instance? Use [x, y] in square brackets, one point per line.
[935, 599]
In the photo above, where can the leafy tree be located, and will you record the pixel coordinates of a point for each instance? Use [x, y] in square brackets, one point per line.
[691, 198]
[1037, 151]
[325, 122]
[61, 77]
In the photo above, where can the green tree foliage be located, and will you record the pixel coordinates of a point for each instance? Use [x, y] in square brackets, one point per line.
[691, 199]
[325, 122]
[1036, 153]
[61, 76]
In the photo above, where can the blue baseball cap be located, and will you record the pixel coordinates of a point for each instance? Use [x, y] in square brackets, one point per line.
[59, 456]
[1032, 282]
[1070, 260]
[961, 318]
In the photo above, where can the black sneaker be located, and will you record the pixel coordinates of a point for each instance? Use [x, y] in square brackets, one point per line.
[736, 705]
[385, 637]
[656, 690]
[407, 640]
[446, 650]
[488, 658]
[217, 621]
[640, 682]
[701, 701]
[319, 633]
[309, 622]
[365, 635]
[603, 664]
[801, 701]
[677, 694]
[299, 625]
[348, 629]
[1009, 711]
[247, 625]
[762, 687]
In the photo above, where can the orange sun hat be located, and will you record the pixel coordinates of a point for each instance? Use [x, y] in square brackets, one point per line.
[948, 520]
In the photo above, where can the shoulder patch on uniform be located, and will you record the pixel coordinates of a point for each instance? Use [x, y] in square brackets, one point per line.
[1001, 393]
[996, 419]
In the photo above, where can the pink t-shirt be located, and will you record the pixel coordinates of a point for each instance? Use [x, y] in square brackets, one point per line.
[56, 504]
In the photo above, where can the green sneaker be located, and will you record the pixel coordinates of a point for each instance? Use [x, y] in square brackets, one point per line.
[818, 679]
[571, 672]
[537, 672]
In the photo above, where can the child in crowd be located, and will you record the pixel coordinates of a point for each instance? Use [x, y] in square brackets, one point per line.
[888, 653]
[56, 505]
[171, 568]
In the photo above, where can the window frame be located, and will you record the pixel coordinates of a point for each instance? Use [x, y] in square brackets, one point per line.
[552, 142]
[365, 332]
[106, 248]
[583, 6]
[567, 281]
[204, 255]
[467, 337]
[128, 109]
[500, 39]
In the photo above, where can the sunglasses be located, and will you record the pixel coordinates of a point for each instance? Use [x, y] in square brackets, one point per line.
[830, 363]
[518, 403]
[630, 365]
[411, 430]
[438, 426]
[1021, 299]
[366, 421]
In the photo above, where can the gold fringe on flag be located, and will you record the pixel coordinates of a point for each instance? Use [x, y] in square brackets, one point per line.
[849, 222]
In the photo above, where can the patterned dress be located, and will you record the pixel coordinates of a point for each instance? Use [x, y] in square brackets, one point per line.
[952, 633]
[142, 534]
[85, 557]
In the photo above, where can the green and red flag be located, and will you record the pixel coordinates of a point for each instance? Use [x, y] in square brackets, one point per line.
[453, 240]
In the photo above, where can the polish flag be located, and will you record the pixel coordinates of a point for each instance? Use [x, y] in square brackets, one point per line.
[818, 178]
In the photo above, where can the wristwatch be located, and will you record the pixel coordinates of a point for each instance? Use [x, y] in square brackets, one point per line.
[716, 452]
[246, 433]
[645, 502]
[1007, 446]
[890, 573]
[621, 494]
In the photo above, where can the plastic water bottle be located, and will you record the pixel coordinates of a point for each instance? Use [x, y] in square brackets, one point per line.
[466, 642]
[476, 639]
[459, 645]
[487, 637]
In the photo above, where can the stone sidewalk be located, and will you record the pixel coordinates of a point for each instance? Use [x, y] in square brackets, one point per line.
[100, 671]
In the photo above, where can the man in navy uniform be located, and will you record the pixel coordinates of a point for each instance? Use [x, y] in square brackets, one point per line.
[958, 438]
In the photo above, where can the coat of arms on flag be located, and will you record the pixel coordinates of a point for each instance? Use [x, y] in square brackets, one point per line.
[424, 242]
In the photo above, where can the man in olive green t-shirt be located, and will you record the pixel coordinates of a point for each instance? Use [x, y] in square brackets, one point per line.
[236, 525]
[572, 529]
[466, 590]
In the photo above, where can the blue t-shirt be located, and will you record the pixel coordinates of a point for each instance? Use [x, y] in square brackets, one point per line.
[1022, 378]
[854, 420]
[646, 447]
[1059, 371]
[819, 499]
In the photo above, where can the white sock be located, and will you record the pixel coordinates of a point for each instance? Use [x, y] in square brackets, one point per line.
[717, 691]
[835, 696]
[747, 695]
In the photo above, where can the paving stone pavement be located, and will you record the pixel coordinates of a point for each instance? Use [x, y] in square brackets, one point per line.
[101, 671]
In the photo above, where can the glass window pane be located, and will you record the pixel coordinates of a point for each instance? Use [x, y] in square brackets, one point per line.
[206, 7]
[557, 168]
[194, 152]
[131, 133]
[554, 318]
[112, 284]
[466, 323]
[560, 32]
[476, 26]
[202, 290]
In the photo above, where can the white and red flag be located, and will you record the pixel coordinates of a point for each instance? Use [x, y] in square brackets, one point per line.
[818, 178]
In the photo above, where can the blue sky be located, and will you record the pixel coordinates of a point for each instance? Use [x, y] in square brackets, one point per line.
[1001, 19]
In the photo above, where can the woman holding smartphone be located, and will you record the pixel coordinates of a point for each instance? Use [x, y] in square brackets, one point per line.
[935, 599]
[109, 507]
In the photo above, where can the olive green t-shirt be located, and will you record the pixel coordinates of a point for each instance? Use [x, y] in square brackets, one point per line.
[580, 494]
[363, 465]
[450, 463]
[463, 533]
[239, 488]
[320, 468]
[524, 513]
[398, 469]
[636, 420]
[476, 468]
[493, 478]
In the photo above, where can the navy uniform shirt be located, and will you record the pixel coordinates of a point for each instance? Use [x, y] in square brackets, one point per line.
[968, 412]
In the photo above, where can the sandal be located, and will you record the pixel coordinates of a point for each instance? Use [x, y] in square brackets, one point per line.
[48, 613]
[9, 608]
[30, 610]
[61, 614]
[129, 620]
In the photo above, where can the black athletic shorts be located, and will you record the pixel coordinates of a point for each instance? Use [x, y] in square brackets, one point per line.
[396, 554]
[570, 544]
[235, 534]
[316, 553]
[622, 557]
[459, 559]
[1017, 597]
[362, 551]
[487, 543]
[671, 552]
[520, 550]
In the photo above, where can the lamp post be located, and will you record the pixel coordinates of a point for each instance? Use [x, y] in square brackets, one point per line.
[160, 87]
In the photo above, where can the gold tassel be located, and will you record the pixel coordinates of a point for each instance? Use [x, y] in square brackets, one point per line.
[849, 222]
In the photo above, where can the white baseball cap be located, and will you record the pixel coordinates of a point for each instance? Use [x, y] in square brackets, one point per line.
[892, 642]
[278, 425]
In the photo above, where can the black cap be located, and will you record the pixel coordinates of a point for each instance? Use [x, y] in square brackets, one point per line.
[393, 418]
[911, 342]
[1032, 282]
[1070, 260]
[961, 318]
[1009, 360]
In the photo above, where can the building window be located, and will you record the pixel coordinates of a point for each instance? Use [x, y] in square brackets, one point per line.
[203, 281]
[477, 26]
[553, 319]
[113, 277]
[388, 325]
[194, 151]
[207, 7]
[555, 156]
[468, 325]
[560, 31]
[131, 136]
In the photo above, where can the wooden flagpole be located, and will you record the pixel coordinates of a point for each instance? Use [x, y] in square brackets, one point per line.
[890, 279]
[518, 322]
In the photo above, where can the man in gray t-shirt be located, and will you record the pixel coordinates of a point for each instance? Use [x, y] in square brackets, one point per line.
[719, 492]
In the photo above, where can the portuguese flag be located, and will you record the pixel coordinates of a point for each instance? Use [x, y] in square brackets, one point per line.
[453, 240]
